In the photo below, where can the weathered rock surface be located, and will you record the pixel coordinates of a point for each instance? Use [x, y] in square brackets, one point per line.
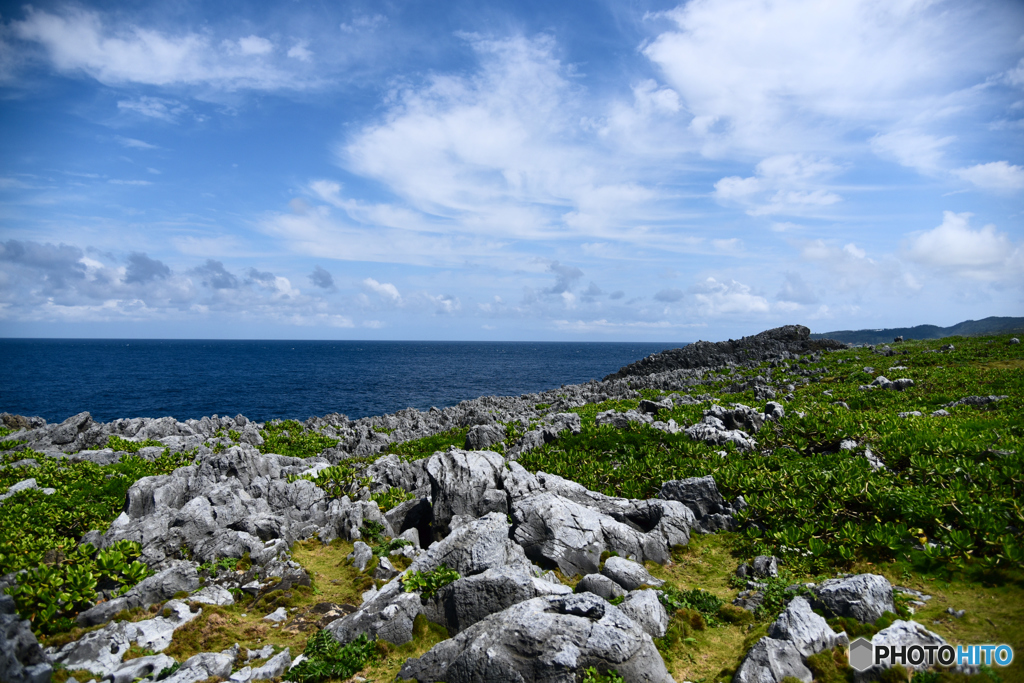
[463, 603]
[771, 660]
[864, 597]
[544, 639]
[905, 633]
[22, 659]
[781, 342]
[701, 496]
[809, 633]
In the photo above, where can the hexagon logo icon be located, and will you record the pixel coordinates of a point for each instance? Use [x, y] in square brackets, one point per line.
[861, 654]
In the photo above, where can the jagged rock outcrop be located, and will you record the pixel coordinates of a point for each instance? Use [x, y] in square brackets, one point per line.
[547, 638]
[781, 342]
[700, 495]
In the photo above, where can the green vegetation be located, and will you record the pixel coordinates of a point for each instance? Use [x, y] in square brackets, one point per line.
[127, 445]
[329, 659]
[338, 480]
[952, 480]
[417, 449]
[391, 498]
[50, 596]
[428, 583]
[37, 529]
[290, 437]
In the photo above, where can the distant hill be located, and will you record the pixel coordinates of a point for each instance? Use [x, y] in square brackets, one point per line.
[968, 328]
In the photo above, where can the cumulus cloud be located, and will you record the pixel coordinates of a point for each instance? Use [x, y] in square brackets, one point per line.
[321, 278]
[984, 254]
[142, 269]
[997, 175]
[385, 290]
[59, 265]
[215, 276]
[250, 45]
[445, 304]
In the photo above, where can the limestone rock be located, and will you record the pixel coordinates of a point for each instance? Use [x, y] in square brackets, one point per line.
[547, 638]
[771, 660]
[864, 597]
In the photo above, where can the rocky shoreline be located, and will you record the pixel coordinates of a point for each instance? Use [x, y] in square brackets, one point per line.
[508, 533]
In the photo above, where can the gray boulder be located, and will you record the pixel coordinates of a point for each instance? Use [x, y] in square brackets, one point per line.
[646, 610]
[474, 548]
[629, 575]
[463, 603]
[466, 483]
[140, 667]
[387, 614]
[561, 523]
[771, 660]
[213, 595]
[470, 549]
[544, 639]
[652, 407]
[701, 495]
[622, 420]
[808, 632]
[360, 555]
[601, 585]
[766, 566]
[22, 660]
[480, 437]
[864, 597]
[202, 666]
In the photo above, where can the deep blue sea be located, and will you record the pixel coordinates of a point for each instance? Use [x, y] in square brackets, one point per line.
[56, 378]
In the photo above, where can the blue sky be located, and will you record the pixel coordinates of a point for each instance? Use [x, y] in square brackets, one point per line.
[508, 170]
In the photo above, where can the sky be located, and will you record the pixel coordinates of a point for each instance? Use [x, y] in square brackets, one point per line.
[508, 170]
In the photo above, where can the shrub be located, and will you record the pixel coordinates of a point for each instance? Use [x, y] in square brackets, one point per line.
[326, 658]
[428, 583]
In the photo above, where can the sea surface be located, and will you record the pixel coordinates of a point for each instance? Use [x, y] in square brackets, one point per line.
[57, 378]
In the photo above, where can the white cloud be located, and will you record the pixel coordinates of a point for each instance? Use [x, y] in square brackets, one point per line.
[155, 107]
[782, 184]
[78, 40]
[383, 289]
[997, 175]
[771, 76]
[714, 298]
[983, 254]
[301, 51]
[911, 148]
[364, 23]
[254, 45]
[116, 181]
[135, 144]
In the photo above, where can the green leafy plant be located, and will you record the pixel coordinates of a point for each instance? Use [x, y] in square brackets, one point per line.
[394, 496]
[592, 675]
[417, 449]
[428, 583]
[326, 658]
[290, 437]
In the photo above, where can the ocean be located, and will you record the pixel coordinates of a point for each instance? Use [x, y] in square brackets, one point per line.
[263, 380]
